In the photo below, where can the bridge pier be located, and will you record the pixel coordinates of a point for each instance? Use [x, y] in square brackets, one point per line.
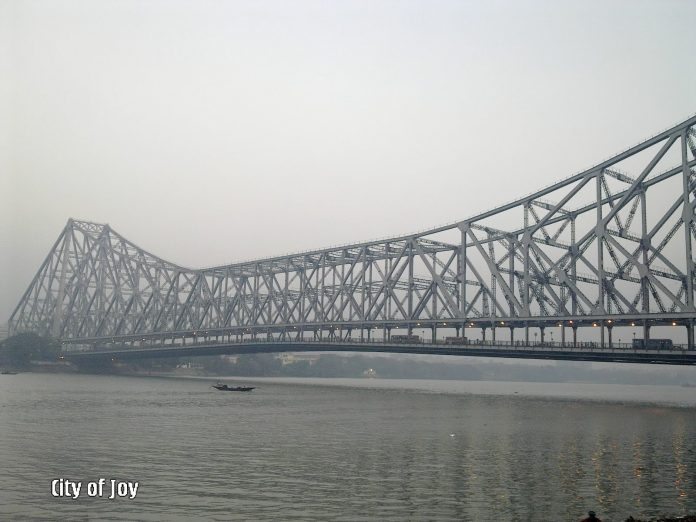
[433, 333]
[690, 334]
[563, 334]
[541, 334]
[512, 335]
[646, 330]
[493, 332]
[526, 333]
[575, 336]
[609, 328]
[483, 333]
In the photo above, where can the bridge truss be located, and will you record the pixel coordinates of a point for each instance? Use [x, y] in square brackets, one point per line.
[610, 246]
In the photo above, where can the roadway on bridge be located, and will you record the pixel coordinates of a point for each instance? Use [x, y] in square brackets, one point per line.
[548, 352]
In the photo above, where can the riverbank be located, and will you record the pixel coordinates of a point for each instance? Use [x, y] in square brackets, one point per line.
[687, 518]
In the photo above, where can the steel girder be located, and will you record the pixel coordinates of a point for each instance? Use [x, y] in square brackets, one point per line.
[613, 242]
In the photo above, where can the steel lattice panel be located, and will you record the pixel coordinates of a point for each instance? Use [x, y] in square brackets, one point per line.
[613, 243]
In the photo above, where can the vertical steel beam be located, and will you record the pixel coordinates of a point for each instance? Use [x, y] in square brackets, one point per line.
[527, 239]
[411, 254]
[574, 267]
[511, 279]
[57, 326]
[687, 219]
[462, 274]
[599, 234]
[644, 244]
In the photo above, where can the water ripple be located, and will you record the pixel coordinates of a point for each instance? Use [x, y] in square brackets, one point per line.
[308, 452]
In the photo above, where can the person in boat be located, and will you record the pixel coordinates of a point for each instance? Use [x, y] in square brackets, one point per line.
[591, 517]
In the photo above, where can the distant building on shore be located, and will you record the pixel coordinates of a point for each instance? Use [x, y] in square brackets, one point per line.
[190, 366]
[290, 358]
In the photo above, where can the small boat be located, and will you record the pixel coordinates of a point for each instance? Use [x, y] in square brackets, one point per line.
[224, 387]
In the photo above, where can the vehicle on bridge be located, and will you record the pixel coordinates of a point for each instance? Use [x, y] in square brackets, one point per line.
[653, 344]
[456, 340]
[405, 338]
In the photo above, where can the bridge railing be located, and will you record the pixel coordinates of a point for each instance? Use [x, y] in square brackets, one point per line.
[174, 342]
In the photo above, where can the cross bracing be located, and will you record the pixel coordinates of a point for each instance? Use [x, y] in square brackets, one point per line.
[612, 244]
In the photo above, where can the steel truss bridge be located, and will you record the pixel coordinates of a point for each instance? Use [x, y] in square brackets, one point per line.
[606, 248]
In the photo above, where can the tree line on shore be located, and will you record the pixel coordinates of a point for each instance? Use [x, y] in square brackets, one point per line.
[20, 350]
[392, 367]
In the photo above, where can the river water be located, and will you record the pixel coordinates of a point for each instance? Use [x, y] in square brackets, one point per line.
[342, 449]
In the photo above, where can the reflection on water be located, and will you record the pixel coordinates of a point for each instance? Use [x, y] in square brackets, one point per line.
[311, 452]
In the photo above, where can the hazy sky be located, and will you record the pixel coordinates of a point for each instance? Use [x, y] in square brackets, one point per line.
[213, 131]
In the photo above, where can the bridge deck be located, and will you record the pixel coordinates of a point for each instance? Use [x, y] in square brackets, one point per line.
[517, 351]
